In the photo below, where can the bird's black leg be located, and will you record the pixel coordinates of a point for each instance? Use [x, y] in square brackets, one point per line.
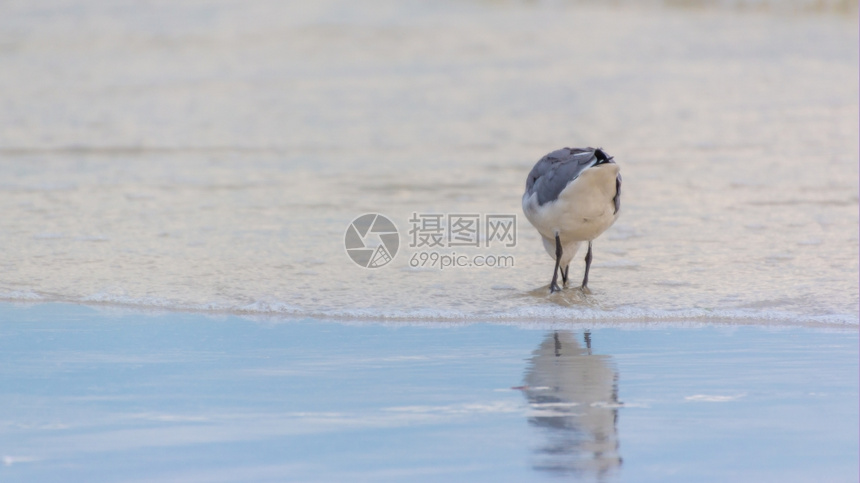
[587, 266]
[553, 287]
[564, 276]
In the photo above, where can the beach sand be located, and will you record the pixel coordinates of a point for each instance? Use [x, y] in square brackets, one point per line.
[211, 156]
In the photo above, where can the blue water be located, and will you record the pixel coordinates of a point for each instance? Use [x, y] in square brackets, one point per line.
[88, 395]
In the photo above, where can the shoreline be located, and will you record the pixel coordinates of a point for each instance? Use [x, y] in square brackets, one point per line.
[547, 322]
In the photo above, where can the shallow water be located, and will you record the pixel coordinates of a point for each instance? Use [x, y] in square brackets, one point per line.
[210, 156]
[124, 397]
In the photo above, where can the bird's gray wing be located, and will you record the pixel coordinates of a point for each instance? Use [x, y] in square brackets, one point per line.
[555, 170]
[617, 198]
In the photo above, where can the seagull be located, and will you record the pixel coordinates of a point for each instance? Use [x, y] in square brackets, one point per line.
[572, 195]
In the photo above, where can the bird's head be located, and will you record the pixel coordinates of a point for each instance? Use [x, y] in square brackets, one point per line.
[602, 157]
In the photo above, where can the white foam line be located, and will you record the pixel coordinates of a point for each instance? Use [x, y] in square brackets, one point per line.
[533, 316]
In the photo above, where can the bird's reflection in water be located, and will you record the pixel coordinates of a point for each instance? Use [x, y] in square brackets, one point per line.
[573, 398]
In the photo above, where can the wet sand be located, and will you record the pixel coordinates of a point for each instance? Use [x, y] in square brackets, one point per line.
[211, 157]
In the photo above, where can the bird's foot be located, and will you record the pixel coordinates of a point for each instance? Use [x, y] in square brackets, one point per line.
[553, 288]
[585, 290]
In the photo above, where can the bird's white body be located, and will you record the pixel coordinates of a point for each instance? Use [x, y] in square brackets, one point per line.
[583, 210]
[572, 196]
